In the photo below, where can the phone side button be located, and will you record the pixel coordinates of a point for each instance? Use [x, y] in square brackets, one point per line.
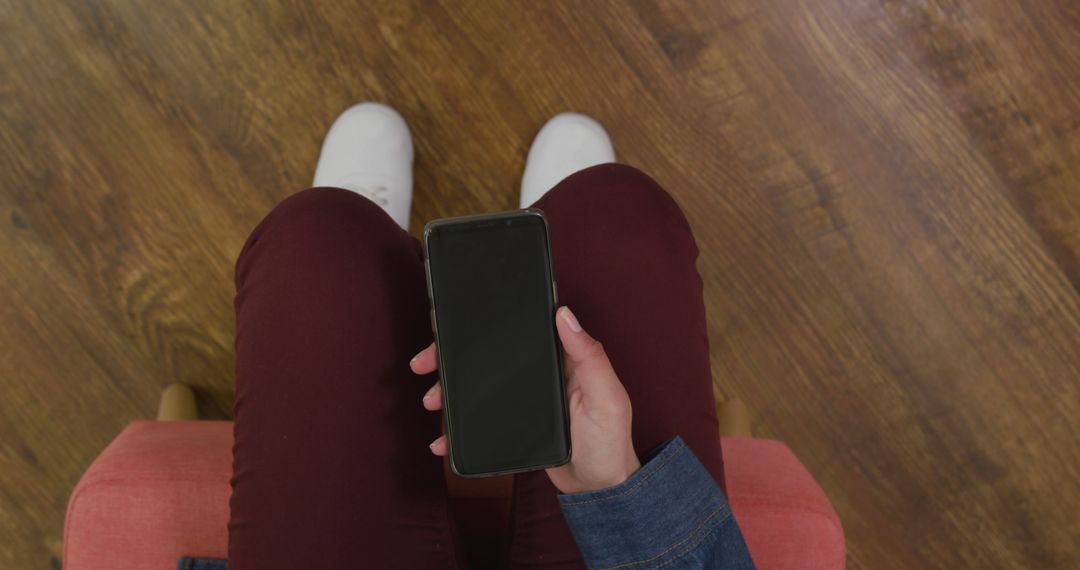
[555, 292]
[432, 321]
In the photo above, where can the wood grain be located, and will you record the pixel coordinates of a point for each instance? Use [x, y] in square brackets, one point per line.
[886, 195]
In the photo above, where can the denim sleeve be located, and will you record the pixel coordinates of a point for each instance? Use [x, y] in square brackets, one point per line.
[670, 514]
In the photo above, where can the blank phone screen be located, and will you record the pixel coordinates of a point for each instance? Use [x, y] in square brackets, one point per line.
[493, 299]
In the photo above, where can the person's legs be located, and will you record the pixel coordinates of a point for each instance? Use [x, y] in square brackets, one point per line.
[625, 264]
[331, 466]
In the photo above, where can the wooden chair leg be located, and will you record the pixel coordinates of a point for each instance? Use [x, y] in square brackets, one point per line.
[177, 403]
[734, 419]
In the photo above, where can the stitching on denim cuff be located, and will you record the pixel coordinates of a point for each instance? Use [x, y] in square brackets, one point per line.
[637, 484]
[699, 532]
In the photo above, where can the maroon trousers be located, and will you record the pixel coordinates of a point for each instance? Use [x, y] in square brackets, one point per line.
[331, 462]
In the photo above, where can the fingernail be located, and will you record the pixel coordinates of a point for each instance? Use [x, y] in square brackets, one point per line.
[570, 319]
[432, 444]
[427, 395]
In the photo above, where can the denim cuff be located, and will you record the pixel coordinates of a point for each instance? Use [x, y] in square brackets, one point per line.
[661, 514]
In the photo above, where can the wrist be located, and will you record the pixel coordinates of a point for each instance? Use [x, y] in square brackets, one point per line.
[618, 476]
[631, 467]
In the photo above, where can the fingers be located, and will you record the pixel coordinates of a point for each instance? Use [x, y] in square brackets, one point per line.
[433, 398]
[438, 447]
[425, 362]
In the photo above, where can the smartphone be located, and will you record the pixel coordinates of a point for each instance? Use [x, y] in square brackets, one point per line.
[493, 302]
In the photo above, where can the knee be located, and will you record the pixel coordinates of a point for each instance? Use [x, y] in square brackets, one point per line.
[623, 202]
[320, 228]
[323, 218]
[328, 213]
[623, 178]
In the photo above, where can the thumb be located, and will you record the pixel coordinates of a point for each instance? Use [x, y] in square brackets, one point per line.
[584, 353]
[590, 372]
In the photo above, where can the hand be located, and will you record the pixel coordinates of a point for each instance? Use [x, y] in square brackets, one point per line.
[600, 414]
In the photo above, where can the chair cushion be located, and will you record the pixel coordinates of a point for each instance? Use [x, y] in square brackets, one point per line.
[786, 519]
[160, 491]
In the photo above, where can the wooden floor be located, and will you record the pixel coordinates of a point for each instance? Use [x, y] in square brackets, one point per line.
[886, 195]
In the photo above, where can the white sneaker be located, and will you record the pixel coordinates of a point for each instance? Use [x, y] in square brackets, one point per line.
[566, 144]
[369, 150]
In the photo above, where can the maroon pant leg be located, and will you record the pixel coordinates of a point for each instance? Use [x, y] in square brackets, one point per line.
[624, 261]
[331, 464]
